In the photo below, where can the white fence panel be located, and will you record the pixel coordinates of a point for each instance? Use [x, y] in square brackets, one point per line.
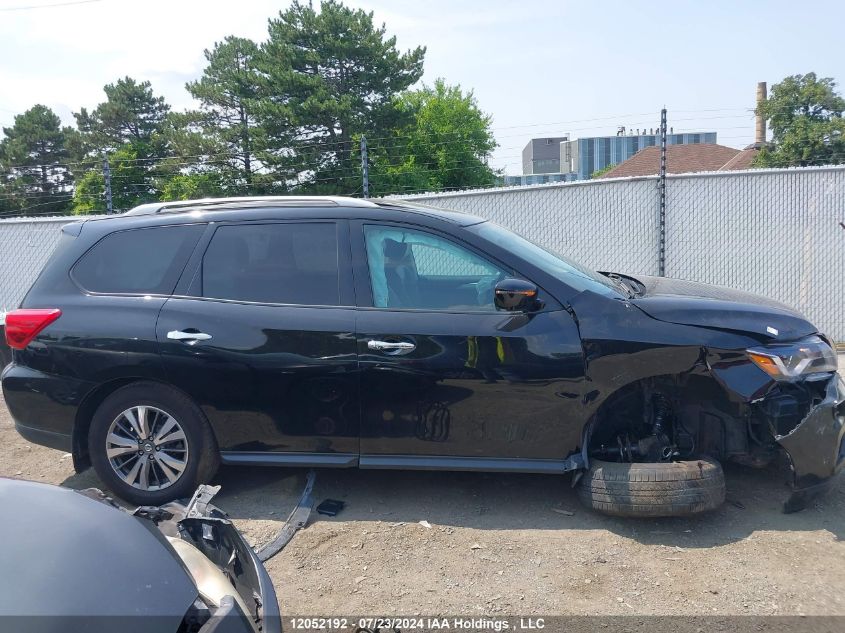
[775, 233]
[607, 225]
[778, 233]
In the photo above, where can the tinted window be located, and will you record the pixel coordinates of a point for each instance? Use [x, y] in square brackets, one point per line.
[273, 263]
[413, 269]
[138, 261]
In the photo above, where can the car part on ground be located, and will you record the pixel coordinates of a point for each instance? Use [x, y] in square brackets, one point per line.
[665, 489]
[330, 507]
[159, 569]
[296, 520]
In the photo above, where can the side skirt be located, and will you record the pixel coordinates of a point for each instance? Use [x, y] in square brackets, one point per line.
[402, 462]
[481, 464]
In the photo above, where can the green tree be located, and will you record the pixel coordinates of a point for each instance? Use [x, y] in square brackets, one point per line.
[130, 183]
[328, 77]
[445, 143]
[129, 128]
[805, 116]
[191, 186]
[227, 92]
[33, 163]
[601, 172]
[131, 113]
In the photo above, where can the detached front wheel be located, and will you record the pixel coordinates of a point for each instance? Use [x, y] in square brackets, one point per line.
[669, 489]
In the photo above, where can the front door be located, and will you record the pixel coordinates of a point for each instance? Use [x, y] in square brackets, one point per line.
[447, 380]
[263, 339]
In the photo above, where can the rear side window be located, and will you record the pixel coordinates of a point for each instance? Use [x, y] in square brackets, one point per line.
[138, 261]
[293, 263]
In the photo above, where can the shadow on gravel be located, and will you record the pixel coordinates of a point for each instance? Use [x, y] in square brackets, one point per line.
[494, 501]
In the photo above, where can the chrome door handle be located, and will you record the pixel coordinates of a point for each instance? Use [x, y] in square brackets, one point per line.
[390, 347]
[178, 335]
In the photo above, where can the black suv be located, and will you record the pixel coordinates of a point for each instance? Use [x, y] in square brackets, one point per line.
[341, 332]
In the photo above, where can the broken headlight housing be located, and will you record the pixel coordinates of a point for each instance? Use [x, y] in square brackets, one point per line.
[804, 359]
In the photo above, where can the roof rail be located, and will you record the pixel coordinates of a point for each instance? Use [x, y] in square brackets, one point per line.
[153, 208]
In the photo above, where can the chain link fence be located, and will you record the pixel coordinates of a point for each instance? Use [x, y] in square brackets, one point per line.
[25, 246]
[778, 233]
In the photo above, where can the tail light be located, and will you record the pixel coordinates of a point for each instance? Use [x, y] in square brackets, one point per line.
[24, 325]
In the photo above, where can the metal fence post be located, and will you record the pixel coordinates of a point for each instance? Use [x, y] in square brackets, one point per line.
[661, 255]
[107, 180]
[365, 168]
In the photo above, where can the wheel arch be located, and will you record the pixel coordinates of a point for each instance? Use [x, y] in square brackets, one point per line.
[92, 401]
[695, 396]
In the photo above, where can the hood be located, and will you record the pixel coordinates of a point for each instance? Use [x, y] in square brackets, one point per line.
[703, 305]
[66, 554]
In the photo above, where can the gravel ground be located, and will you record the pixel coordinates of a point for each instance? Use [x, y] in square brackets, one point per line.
[517, 544]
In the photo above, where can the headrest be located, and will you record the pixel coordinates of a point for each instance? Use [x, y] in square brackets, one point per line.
[396, 250]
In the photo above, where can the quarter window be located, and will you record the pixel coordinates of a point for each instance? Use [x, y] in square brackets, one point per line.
[414, 269]
[273, 263]
[138, 261]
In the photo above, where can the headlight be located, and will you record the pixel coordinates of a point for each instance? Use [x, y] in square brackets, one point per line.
[791, 361]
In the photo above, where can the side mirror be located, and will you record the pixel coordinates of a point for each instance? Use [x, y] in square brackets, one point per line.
[516, 295]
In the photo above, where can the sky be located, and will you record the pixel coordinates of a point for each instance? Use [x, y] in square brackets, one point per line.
[541, 68]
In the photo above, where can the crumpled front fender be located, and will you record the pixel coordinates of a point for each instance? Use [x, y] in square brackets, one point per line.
[815, 447]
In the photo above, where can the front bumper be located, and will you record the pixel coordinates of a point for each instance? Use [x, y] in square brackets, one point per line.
[210, 531]
[815, 447]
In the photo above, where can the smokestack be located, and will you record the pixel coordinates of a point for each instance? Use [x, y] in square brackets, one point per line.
[760, 131]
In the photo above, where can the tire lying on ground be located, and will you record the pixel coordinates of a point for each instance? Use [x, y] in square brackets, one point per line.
[668, 489]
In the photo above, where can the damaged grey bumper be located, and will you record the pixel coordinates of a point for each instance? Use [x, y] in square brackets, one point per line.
[815, 447]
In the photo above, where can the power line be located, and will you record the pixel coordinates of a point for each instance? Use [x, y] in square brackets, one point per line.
[47, 6]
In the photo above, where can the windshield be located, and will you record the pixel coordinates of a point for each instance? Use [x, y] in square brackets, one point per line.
[569, 272]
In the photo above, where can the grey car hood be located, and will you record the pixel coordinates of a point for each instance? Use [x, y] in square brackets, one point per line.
[67, 555]
[698, 304]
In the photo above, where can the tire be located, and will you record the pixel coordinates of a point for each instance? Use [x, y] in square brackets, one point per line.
[671, 489]
[194, 451]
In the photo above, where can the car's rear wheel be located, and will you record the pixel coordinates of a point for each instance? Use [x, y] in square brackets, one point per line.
[151, 444]
[661, 489]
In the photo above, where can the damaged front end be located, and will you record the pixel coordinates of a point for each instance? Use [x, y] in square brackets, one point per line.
[796, 400]
[816, 446]
[236, 593]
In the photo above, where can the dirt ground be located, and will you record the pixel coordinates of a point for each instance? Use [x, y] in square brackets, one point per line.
[507, 544]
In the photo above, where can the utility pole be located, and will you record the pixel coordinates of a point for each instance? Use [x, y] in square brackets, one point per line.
[107, 179]
[365, 168]
[661, 185]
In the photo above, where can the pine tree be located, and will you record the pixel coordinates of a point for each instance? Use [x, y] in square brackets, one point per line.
[328, 77]
[227, 92]
[128, 128]
[34, 164]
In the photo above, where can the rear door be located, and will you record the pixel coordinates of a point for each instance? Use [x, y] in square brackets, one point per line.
[261, 336]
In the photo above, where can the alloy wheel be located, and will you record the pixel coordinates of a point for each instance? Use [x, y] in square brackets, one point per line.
[147, 448]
